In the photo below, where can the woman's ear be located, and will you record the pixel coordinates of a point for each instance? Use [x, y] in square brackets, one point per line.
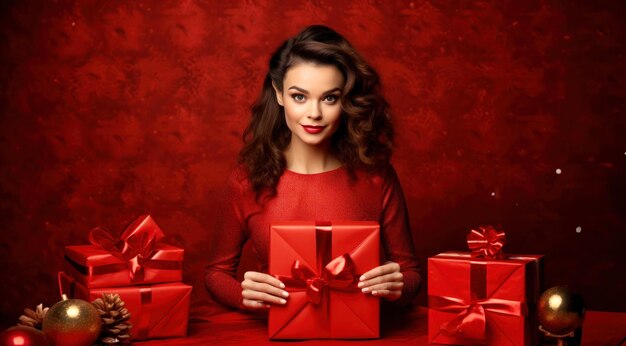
[279, 94]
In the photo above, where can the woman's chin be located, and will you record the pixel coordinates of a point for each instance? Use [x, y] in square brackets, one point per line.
[314, 142]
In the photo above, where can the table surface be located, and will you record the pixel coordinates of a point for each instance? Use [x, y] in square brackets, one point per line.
[410, 327]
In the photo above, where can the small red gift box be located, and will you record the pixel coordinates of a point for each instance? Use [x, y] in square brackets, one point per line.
[320, 264]
[156, 311]
[134, 259]
[486, 301]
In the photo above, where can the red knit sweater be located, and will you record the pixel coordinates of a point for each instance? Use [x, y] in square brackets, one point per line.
[326, 196]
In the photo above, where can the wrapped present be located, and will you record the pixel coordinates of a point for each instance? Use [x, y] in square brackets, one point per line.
[137, 257]
[483, 297]
[320, 265]
[156, 311]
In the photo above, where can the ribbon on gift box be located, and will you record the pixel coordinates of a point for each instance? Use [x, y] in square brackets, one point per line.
[471, 320]
[337, 274]
[137, 246]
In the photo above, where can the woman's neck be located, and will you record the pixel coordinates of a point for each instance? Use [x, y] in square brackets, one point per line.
[308, 159]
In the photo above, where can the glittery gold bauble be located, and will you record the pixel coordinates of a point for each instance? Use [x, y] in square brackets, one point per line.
[72, 322]
[22, 336]
[560, 310]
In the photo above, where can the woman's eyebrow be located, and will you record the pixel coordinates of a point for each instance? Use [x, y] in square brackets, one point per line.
[332, 90]
[299, 89]
[306, 92]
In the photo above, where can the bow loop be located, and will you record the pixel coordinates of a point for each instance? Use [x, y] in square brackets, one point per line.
[100, 236]
[136, 245]
[338, 274]
[471, 319]
[486, 242]
[142, 235]
[471, 324]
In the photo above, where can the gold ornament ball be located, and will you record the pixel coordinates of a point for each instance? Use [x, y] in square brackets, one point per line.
[72, 322]
[560, 310]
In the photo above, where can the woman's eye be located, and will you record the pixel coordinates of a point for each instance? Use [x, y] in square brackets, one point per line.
[298, 97]
[331, 98]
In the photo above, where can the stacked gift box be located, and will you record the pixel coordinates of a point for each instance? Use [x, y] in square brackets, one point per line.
[484, 297]
[145, 272]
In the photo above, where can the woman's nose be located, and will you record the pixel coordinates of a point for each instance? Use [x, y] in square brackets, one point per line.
[315, 112]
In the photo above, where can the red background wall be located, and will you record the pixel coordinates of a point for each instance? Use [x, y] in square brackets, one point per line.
[112, 109]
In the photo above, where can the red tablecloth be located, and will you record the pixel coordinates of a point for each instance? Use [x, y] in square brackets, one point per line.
[405, 328]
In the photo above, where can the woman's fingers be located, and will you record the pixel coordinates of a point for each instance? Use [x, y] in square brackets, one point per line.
[387, 286]
[385, 281]
[263, 287]
[262, 277]
[255, 304]
[390, 290]
[387, 294]
[262, 296]
[392, 277]
[260, 290]
[390, 267]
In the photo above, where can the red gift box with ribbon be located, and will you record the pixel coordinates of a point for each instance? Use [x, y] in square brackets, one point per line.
[484, 297]
[156, 311]
[320, 264]
[137, 257]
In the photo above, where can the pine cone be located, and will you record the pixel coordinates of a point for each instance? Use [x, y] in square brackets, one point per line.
[115, 324]
[33, 318]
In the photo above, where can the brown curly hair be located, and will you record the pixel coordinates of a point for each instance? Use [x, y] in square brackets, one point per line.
[364, 138]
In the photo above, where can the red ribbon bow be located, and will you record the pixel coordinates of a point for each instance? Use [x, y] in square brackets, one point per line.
[471, 321]
[136, 245]
[486, 242]
[338, 274]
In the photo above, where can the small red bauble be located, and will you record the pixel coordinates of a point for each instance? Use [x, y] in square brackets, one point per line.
[23, 336]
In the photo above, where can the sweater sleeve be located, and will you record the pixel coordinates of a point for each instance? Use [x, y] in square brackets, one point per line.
[396, 237]
[228, 241]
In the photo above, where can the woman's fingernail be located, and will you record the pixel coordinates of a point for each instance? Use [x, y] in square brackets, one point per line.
[282, 301]
[360, 284]
[285, 294]
[282, 285]
[362, 277]
[374, 293]
[365, 290]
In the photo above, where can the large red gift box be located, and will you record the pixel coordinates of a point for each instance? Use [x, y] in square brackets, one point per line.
[483, 301]
[136, 258]
[320, 264]
[157, 311]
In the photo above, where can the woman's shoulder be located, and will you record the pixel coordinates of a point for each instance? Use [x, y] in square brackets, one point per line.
[239, 172]
[238, 179]
[240, 186]
[382, 176]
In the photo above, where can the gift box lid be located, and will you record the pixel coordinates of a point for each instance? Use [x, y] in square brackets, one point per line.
[93, 256]
[514, 277]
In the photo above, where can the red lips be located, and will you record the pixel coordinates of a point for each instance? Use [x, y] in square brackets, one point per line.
[313, 129]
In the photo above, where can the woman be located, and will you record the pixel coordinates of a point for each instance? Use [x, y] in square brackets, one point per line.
[317, 148]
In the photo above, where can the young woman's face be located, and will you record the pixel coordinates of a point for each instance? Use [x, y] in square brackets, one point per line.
[311, 98]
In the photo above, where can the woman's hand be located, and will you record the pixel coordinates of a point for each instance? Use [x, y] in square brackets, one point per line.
[260, 290]
[385, 281]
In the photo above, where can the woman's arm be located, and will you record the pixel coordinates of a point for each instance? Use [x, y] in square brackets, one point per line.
[225, 250]
[398, 280]
[258, 290]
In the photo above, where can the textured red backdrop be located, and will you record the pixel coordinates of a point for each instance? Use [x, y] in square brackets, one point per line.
[112, 109]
